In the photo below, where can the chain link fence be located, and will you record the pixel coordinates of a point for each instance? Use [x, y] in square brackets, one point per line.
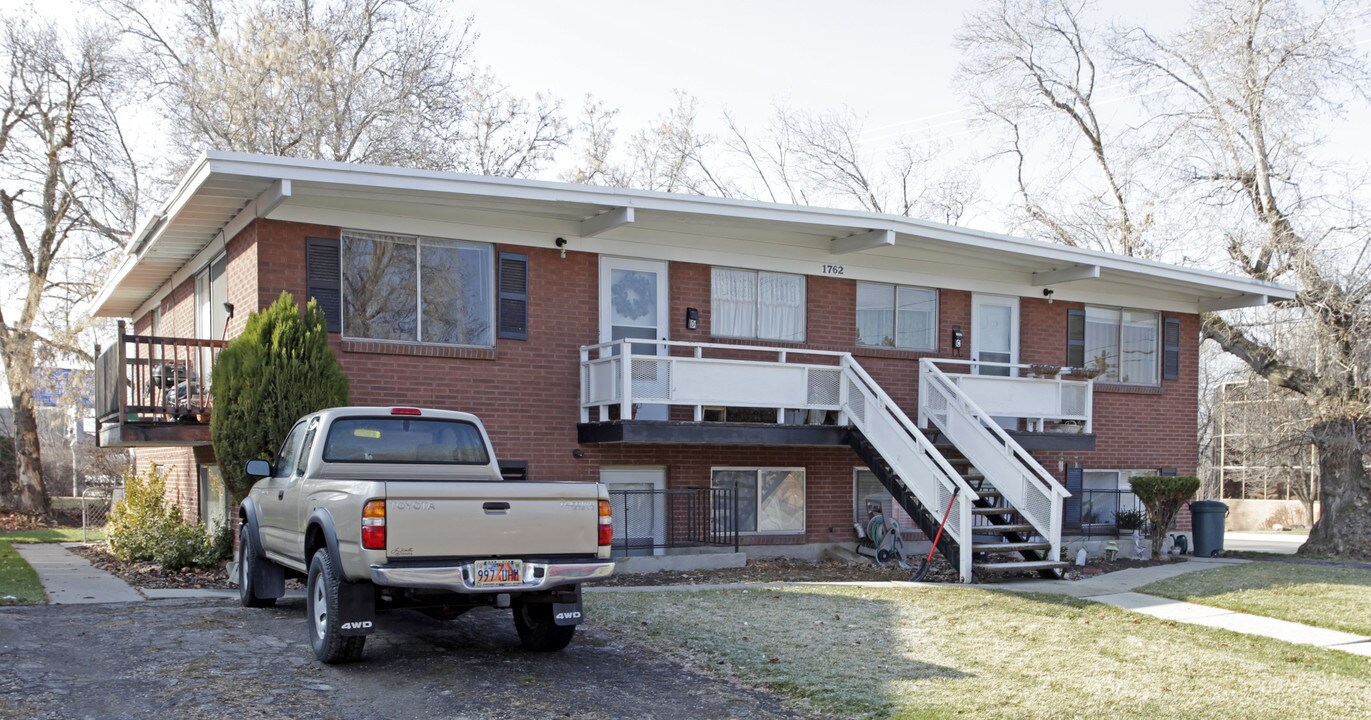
[96, 502]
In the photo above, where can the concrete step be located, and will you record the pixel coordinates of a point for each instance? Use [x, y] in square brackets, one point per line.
[1007, 547]
[1019, 566]
[993, 529]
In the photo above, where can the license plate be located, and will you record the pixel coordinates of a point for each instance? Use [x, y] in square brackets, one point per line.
[494, 573]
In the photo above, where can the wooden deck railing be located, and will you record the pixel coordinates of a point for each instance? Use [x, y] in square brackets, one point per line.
[154, 379]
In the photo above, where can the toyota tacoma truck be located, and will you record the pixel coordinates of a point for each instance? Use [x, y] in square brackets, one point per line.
[381, 508]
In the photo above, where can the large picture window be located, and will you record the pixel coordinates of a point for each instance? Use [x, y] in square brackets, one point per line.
[417, 289]
[770, 500]
[1123, 344]
[752, 304]
[897, 316]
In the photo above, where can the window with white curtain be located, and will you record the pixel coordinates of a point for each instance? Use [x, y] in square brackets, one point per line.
[755, 304]
[770, 500]
[897, 316]
[1124, 344]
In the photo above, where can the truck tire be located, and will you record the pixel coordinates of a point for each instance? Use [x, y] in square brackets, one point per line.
[537, 631]
[247, 565]
[321, 604]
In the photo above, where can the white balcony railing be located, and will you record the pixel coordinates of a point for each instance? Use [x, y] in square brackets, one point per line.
[1035, 400]
[701, 375]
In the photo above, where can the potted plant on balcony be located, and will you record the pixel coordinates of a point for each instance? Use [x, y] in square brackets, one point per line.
[1043, 370]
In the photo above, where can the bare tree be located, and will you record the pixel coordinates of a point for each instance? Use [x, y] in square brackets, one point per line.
[376, 81]
[672, 154]
[824, 158]
[68, 194]
[1247, 79]
[1232, 104]
[1031, 67]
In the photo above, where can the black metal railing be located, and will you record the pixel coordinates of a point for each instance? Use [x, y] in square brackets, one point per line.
[646, 521]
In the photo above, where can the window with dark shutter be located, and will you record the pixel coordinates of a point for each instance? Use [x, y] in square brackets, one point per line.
[323, 279]
[513, 296]
[1071, 507]
[1171, 349]
[1075, 338]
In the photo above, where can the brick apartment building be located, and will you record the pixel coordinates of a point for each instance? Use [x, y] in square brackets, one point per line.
[783, 352]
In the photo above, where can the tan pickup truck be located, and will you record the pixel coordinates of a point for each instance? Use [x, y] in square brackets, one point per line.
[381, 508]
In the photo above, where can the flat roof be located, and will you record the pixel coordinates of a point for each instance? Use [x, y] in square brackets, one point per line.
[224, 192]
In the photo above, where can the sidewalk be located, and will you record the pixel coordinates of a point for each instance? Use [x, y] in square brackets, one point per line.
[70, 579]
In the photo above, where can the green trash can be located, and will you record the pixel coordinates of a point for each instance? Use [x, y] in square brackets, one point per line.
[1206, 518]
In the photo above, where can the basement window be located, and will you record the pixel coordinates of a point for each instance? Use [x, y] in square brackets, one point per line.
[770, 500]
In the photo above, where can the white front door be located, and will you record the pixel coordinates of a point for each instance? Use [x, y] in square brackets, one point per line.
[994, 333]
[633, 306]
[639, 509]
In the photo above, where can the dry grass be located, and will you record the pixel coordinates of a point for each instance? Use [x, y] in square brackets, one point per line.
[1323, 596]
[933, 652]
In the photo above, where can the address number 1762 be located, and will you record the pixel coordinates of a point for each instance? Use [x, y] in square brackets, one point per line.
[833, 269]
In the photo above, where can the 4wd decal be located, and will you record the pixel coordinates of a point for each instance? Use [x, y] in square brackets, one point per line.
[363, 625]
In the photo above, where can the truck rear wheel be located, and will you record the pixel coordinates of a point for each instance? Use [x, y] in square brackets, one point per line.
[247, 566]
[537, 630]
[321, 604]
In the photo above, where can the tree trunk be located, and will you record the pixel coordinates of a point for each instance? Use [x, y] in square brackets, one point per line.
[28, 496]
[1344, 528]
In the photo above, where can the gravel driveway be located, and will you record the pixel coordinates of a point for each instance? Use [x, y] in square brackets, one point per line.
[211, 659]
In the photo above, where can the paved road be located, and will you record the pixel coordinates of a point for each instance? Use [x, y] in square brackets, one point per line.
[213, 659]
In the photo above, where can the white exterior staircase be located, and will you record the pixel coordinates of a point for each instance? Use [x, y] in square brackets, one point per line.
[1007, 512]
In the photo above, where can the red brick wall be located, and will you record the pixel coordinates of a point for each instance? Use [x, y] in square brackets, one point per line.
[526, 392]
[182, 476]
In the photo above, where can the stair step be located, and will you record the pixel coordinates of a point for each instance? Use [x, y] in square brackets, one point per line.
[1020, 566]
[1005, 547]
[989, 493]
[1014, 527]
[994, 511]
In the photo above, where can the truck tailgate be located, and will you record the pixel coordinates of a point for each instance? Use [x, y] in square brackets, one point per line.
[491, 519]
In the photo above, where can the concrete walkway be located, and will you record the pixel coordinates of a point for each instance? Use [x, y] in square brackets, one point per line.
[69, 578]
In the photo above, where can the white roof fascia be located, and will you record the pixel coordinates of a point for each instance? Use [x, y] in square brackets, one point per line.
[335, 173]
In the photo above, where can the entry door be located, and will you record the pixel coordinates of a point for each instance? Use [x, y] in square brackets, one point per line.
[633, 305]
[640, 519]
[995, 332]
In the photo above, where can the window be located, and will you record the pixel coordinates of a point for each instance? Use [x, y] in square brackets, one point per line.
[763, 305]
[770, 500]
[1105, 492]
[1123, 344]
[405, 440]
[413, 289]
[290, 450]
[897, 316]
[867, 491]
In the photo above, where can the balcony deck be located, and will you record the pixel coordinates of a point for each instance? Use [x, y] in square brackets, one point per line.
[672, 381]
[153, 391]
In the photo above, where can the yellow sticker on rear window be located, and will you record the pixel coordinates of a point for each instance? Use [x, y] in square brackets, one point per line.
[367, 433]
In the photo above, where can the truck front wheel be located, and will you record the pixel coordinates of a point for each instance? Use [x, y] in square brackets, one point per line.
[247, 570]
[538, 631]
[321, 603]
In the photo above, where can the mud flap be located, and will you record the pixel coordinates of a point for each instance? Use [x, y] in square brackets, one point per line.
[567, 613]
[356, 608]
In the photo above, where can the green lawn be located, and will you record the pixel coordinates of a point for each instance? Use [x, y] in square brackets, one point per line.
[1329, 597]
[17, 579]
[934, 652]
[47, 535]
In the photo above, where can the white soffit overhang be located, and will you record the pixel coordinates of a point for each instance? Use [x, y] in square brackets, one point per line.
[224, 192]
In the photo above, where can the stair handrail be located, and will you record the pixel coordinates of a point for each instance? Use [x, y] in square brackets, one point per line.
[893, 409]
[1038, 475]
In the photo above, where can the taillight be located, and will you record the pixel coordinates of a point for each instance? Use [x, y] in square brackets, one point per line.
[406, 411]
[606, 523]
[374, 525]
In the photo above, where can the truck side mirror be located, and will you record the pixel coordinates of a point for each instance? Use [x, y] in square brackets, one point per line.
[259, 468]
